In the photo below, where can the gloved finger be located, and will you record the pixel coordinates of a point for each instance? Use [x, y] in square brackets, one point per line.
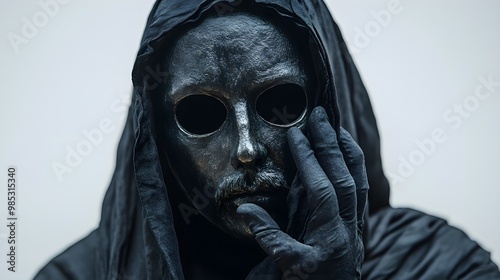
[355, 160]
[332, 161]
[297, 209]
[318, 188]
[282, 248]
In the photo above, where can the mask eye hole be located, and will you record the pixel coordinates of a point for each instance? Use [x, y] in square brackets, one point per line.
[282, 105]
[200, 114]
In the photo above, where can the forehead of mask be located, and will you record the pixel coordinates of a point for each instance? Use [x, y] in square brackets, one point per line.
[221, 72]
[231, 49]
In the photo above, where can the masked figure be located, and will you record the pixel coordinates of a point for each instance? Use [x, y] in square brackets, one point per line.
[244, 156]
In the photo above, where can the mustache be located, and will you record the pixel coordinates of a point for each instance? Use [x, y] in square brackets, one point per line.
[247, 183]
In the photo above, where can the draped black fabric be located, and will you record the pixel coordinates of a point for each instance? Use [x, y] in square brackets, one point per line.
[407, 244]
[136, 237]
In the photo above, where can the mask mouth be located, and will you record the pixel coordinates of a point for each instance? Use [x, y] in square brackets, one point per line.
[257, 197]
[266, 188]
[258, 187]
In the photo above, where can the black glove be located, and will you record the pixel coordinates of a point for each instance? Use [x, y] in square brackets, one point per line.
[326, 203]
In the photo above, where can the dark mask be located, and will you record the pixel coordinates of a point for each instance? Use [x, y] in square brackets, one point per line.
[237, 84]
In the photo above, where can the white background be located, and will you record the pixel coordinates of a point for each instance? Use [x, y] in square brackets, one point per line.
[73, 72]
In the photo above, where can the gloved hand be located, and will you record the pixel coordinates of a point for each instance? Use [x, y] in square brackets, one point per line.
[326, 203]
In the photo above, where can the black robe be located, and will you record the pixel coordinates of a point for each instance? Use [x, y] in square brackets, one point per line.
[136, 237]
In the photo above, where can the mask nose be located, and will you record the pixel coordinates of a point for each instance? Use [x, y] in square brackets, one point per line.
[249, 152]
